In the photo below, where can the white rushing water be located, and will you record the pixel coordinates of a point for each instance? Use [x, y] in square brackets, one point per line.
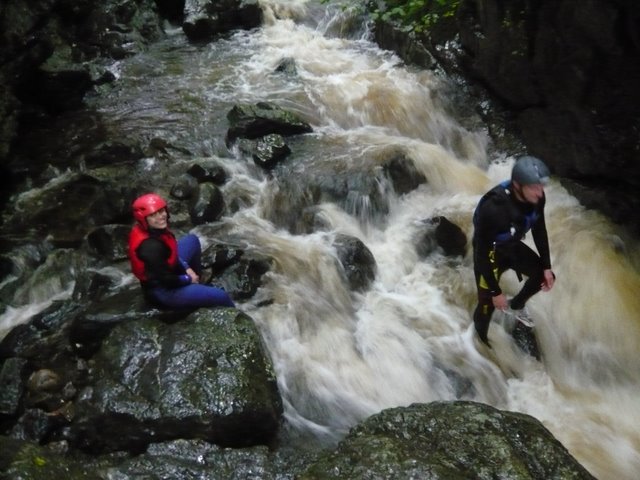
[342, 356]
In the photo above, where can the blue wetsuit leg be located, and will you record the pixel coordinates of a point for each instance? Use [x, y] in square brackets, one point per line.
[190, 251]
[193, 296]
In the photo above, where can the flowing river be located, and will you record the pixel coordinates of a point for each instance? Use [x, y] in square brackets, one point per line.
[342, 356]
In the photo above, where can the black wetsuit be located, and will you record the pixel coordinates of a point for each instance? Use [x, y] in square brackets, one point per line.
[500, 224]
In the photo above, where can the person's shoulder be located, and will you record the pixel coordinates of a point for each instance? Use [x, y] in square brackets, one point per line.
[498, 195]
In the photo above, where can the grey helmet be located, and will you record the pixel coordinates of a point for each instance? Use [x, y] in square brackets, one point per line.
[530, 170]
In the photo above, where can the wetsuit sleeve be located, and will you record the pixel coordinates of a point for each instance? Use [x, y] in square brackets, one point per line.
[484, 253]
[154, 253]
[541, 239]
[184, 264]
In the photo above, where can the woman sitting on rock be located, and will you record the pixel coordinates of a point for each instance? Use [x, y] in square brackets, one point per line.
[168, 270]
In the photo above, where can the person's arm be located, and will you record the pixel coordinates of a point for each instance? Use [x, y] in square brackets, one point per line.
[154, 253]
[485, 234]
[541, 239]
[189, 271]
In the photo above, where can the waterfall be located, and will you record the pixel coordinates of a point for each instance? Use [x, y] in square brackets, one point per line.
[339, 355]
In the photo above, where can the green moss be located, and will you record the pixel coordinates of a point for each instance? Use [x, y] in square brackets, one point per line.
[414, 15]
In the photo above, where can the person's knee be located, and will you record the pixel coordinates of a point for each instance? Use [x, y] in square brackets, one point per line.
[193, 240]
[224, 300]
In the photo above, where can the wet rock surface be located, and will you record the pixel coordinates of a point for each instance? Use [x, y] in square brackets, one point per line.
[446, 441]
[207, 376]
[103, 385]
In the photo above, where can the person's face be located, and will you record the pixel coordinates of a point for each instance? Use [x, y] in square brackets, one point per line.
[158, 219]
[532, 193]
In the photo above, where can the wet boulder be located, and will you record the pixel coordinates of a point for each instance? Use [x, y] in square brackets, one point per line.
[29, 461]
[208, 205]
[185, 187]
[287, 66]
[94, 285]
[526, 340]
[266, 151]
[18, 264]
[198, 459]
[177, 459]
[11, 386]
[45, 390]
[214, 174]
[357, 261]
[448, 440]
[91, 325]
[69, 208]
[238, 274]
[403, 174]
[444, 235]
[219, 256]
[48, 374]
[206, 19]
[109, 241]
[263, 118]
[242, 279]
[43, 341]
[36, 425]
[59, 272]
[208, 376]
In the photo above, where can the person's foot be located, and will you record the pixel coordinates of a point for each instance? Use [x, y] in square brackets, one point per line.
[484, 339]
[521, 315]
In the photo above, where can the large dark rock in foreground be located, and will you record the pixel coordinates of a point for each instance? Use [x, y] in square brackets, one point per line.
[447, 441]
[436, 441]
[207, 376]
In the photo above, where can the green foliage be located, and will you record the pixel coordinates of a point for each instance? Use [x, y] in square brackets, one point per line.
[415, 15]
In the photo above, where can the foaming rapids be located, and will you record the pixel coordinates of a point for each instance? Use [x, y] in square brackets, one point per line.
[409, 337]
[340, 355]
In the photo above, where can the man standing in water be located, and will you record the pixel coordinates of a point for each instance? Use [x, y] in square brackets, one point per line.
[502, 218]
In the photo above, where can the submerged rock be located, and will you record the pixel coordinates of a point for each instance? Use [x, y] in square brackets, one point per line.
[443, 234]
[358, 263]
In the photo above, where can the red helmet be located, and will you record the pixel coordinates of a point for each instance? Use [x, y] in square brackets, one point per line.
[146, 205]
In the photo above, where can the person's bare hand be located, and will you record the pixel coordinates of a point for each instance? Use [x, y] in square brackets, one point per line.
[194, 276]
[549, 280]
[500, 302]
